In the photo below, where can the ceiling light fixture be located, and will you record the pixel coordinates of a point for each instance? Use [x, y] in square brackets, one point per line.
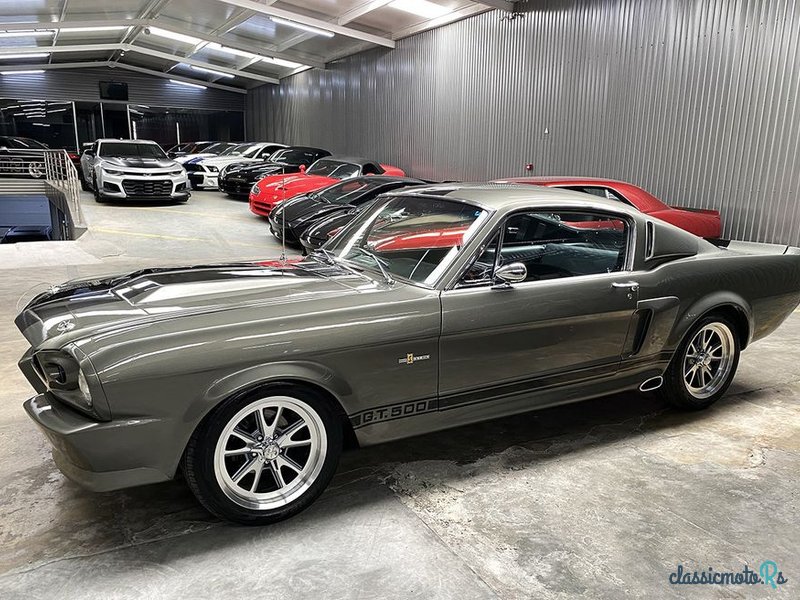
[41, 124]
[186, 83]
[307, 28]
[58, 110]
[229, 50]
[171, 35]
[211, 71]
[25, 72]
[281, 62]
[30, 55]
[27, 33]
[421, 8]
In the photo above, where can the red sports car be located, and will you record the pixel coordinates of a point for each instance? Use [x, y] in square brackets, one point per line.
[275, 189]
[701, 222]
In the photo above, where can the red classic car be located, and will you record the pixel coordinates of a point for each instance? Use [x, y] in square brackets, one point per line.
[274, 189]
[701, 222]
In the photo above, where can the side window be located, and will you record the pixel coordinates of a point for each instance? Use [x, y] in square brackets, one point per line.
[370, 169]
[600, 192]
[556, 245]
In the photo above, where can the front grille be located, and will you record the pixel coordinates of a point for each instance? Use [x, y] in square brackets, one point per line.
[235, 186]
[136, 187]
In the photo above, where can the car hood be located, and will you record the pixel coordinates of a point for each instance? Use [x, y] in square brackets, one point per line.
[86, 307]
[187, 157]
[139, 163]
[277, 187]
[304, 207]
[222, 161]
[263, 169]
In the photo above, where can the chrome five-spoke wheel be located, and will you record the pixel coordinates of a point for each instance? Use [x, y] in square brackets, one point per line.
[270, 452]
[709, 360]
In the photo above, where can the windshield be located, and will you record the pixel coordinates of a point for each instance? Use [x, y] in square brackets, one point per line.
[237, 149]
[334, 169]
[347, 191]
[294, 157]
[414, 238]
[252, 150]
[131, 150]
[217, 148]
[27, 143]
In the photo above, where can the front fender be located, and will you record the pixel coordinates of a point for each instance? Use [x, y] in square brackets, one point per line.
[250, 377]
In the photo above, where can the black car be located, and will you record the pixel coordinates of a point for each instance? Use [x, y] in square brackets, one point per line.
[345, 196]
[21, 157]
[238, 179]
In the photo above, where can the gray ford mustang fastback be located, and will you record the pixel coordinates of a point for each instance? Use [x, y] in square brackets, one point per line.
[436, 307]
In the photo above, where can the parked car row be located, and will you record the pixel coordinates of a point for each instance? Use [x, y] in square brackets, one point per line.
[306, 193]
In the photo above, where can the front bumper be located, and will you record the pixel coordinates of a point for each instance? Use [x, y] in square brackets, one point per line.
[277, 229]
[235, 186]
[204, 180]
[143, 187]
[100, 456]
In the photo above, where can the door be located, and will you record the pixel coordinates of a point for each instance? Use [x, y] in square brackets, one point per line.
[568, 320]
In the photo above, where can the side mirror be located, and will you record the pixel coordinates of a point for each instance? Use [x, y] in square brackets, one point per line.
[302, 168]
[511, 273]
[3, 148]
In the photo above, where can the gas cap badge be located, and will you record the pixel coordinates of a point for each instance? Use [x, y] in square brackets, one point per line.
[65, 325]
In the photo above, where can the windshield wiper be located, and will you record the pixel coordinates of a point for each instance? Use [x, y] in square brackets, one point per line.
[335, 261]
[327, 254]
[378, 262]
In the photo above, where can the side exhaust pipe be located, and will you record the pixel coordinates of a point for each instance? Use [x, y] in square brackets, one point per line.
[648, 385]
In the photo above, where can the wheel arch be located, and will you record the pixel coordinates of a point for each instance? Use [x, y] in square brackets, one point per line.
[727, 304]
[308, 375]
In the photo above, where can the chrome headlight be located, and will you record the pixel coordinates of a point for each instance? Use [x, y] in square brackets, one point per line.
[176, 173]
[212, 168]
[112, 171]
[255, 189]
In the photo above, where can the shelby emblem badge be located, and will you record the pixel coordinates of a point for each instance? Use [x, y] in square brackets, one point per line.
[410, 359]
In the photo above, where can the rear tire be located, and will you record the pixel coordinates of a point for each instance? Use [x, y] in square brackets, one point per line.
[256, 470]
[703, 366]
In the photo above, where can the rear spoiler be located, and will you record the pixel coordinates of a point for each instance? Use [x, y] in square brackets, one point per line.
[754, 247]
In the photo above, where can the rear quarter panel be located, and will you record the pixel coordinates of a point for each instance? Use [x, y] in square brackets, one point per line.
[765, 289]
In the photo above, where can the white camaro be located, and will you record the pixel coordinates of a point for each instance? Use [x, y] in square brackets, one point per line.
[132, 170]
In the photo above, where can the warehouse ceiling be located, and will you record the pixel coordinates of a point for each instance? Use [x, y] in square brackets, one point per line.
[219, 43]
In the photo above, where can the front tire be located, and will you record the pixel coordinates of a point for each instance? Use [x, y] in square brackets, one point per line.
[703, 366]
[264, 456]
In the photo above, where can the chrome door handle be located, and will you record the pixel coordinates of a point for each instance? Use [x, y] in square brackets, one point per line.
[629, 285]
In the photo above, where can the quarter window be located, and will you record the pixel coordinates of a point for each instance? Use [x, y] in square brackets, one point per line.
[555, 245]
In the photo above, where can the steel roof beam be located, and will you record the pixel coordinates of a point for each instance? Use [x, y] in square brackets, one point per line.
[271, 11]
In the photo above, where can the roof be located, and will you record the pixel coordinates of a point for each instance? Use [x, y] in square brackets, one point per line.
[126, 141]
[500, 196]
[356, 160]
[168, 38]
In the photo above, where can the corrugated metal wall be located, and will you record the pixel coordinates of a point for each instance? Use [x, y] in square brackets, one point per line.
[696, 100]
[82, 85]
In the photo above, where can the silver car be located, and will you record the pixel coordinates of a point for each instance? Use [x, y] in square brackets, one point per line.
[132, 170]
[435, 307]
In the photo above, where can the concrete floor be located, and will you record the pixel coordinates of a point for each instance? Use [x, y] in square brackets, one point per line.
[599, 500]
